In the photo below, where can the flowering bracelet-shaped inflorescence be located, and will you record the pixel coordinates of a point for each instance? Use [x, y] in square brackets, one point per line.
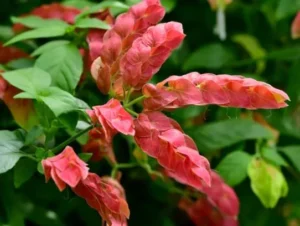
[125, 58]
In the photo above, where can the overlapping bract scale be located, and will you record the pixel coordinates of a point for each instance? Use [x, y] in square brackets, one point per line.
[219, 206]
[149, 52]
[113, 118]
[105, 195]
[295, 29]
[65, 168]
[163, 139]
[205, 89]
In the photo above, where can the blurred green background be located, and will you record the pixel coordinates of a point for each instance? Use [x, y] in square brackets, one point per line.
[258, 45]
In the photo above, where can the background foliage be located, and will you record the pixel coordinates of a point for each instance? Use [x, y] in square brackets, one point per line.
[258, 45]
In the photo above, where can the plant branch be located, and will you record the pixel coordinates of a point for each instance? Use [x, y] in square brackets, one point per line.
[134, 101]
[71, 139]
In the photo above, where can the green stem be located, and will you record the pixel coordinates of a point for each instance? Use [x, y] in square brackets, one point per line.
[71, 139]
[122, 166]
[135, 101]
[132, 112]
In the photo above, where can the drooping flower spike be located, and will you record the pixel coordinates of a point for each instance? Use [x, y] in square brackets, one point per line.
[173, 149]
[105, 195]
[205, 89]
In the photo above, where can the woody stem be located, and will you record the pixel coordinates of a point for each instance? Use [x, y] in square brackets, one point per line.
[134, 101]
[71, 139]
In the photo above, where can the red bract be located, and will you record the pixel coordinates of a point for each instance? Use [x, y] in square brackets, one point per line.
[296, 27]
[10, 53]
[52, 11]
[203, 213]
[174, 150]
[65, 168]
[113, 118]
[204, 89]
[106, 196]
[149, 52]
[99, 146]
[222, 196]
[116, 42]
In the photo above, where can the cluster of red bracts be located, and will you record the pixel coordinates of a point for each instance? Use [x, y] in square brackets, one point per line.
[219, 206]
[135, 48]
[105, 195]
[205, 89]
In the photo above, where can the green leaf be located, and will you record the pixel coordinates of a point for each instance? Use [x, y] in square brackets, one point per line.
[293, 153]
[272, 155]
[49, 46]
[211, 56]
[169, 4]
[33, 135]
[9, 150]
[42, 32]
[253, 47]
[92, 23]
[59, 101]
[233, 168]
[69, 120]
[37, 22]
[217, 135]
[103, 5]
[20, 63]
[23, 171]
[6, 32]
[85, 156]
[30, 80]
[65, 65]
[79, 4]
[267, 182]
[286, 8]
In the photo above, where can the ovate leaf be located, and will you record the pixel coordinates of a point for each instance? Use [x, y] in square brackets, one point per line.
[37, 22]
[233, 168]
[30, 80]
[104, 5]
[65, 65]
[253, 47]
[293, 153]
[9, 150]
[58, 101]
[42, 32]
[79, 4]
[49, 46]
[267, 182]
[92, 23]
[216, 135]
[23, 171]
[273, 156]
[286, 8]
[212, 56]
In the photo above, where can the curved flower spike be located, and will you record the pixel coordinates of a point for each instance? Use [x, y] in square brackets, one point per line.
[116, 42]
[295, 30]
[65, 168]
[174, 150]
[106, 196]
[204, 89]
